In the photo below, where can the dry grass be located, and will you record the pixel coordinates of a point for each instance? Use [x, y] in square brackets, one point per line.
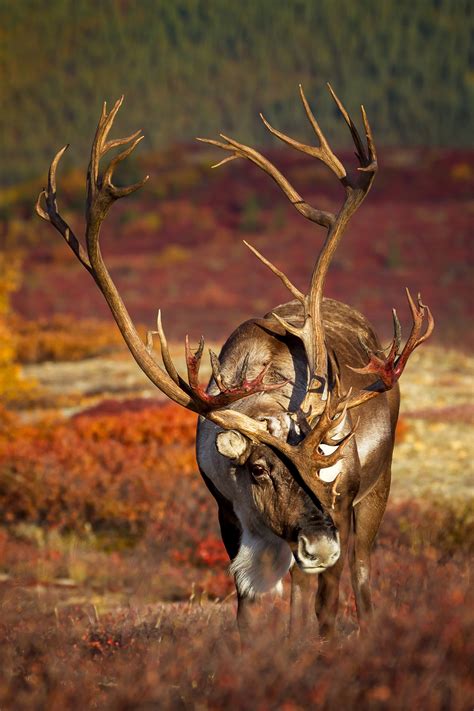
[70, 650]
[435, 454]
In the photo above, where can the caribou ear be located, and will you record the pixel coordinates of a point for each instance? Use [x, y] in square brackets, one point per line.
[233, 445]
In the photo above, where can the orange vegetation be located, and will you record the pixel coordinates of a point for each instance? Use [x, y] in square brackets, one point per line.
[107, 510]
[64, 338]
[101, 469]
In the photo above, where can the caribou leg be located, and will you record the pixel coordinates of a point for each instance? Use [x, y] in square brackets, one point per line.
[244, 620]
[301, 590]
[231, 533]
[368, 515]
[327, 597]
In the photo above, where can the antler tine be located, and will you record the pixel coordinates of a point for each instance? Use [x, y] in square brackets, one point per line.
[323, 152]
[193, 362]
[225, 147]
[337, 427]
[294, 330]
[370, 143]
[242, 376]
[240, 150]
[414, 339]
[328, 460]
[120, 141]
[39, 210]
[216, 370]
[291, 287]
[166, 358]
[165, 352]
[390, 368]
[361, 150]
[52, 215]
[225, 160]
[101, 146]
[417, 315]
[316, 434]
[312, 119]
[397, 329]
[310, 150]
[322, 461]
[105, 124]
[108, 173]
[50, 193]
[52, 174]
[103, 127]
[264, 164]
[397, 338]
[336, 379]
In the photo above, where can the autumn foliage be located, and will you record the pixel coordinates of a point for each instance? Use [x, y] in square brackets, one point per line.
[12, 383]
[109, 506]
[63, 338]
[109, 468]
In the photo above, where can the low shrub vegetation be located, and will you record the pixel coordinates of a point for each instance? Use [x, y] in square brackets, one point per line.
[62, 338]
[115, 592]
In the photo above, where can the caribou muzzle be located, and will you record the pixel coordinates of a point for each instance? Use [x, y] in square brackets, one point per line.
[315, 551]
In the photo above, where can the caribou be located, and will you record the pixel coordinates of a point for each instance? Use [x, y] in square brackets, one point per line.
[296, 427]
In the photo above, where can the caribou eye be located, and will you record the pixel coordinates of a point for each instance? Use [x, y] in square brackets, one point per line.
[258, 470]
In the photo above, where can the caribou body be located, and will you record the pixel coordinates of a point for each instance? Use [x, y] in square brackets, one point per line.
[270, 521]
[296, 428]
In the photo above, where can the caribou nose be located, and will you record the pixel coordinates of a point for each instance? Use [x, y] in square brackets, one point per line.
[317, 552]
[307, 549]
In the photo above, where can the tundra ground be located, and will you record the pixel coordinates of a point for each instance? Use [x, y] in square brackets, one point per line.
[113, 578]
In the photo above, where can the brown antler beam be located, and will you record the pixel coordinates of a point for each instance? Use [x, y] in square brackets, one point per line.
[356, 186]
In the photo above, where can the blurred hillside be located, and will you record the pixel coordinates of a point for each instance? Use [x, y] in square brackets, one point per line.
[177, 245]
[191, 67]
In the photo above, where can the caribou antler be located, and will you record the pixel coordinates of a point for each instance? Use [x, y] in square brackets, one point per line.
[307, 456]
[356, 185]
[389, 369]
[101, 194]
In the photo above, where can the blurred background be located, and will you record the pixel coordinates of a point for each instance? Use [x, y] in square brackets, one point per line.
[91, 518]
[190, 68]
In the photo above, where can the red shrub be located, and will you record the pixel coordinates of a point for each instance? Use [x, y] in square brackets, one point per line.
[103, 470]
